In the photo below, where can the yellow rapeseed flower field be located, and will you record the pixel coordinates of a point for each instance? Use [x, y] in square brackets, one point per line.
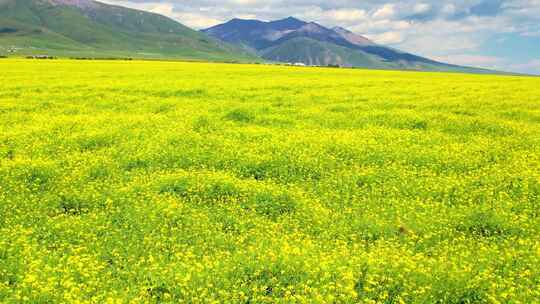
[168, 182]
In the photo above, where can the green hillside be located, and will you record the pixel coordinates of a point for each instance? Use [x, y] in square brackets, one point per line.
[96, 29]
[315, 52]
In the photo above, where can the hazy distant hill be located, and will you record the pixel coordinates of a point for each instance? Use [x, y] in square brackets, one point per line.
[90, 28]
[293, 40]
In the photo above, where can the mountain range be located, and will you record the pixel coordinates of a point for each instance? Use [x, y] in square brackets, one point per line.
[87, 28]
[296, 41]
[94, 29]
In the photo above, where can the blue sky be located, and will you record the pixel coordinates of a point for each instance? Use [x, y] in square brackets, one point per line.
[498, 34]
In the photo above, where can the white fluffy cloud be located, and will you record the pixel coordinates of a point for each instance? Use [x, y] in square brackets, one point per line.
[386, 11]
[421, 8]
[387, 37]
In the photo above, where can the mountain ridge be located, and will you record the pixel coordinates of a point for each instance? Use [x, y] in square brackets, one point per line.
[323, 46]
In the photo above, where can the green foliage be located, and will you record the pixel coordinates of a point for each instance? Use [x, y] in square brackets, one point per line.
[485, 224]
[166, 182]
[240, 115]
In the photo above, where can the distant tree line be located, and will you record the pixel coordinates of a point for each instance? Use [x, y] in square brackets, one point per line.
[102, 58]
[40, 57]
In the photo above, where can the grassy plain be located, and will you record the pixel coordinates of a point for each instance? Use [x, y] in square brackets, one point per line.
[190, 182]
